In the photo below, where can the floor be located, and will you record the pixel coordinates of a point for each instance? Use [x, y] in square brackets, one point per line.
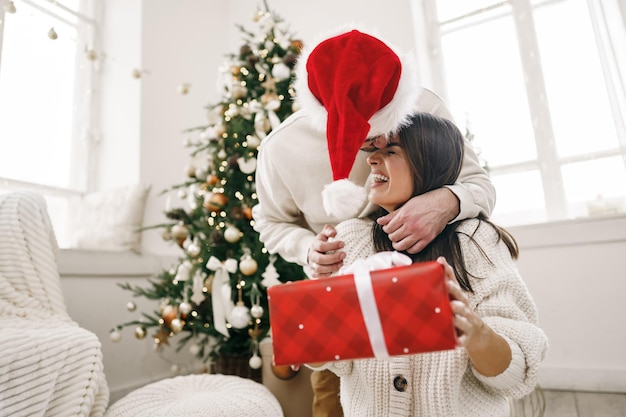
[574, 404]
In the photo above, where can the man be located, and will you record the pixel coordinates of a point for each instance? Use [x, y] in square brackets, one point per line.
[351, 85]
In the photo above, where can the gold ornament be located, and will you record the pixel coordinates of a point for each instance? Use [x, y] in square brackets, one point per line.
[179, 231]
[161, 338]
[91, 54]
[140, 332]
[136, 73]
[284, 372]
[215, 201]
[10, 7]
[183, 88]
[177, 325]
[232, 234]
[169, 314]
[212, 179]
[52, 34]
[115, 336]
[248, 266]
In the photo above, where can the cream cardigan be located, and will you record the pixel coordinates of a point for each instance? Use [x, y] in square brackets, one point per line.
[444, 384]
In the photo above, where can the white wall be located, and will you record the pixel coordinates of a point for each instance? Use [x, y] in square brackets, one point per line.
[572, 268]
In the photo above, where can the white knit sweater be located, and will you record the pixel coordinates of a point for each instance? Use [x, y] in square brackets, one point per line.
[445, 384]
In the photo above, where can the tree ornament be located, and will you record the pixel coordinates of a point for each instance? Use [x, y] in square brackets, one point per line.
[290, 60]
[197, 288]
[9, 7]
[194, 349]
[270, 275]
[131, 306]
[220, 129]
[284, 372]
[255, 361]
[136, 73]
[256, 311]
[215, 201]
[247, 167]
[177, 325]
[237, 213]
[232, 234]
[217, 237]
[190, 170]
[140, 332]
[180, 231]
[296, 45]
[183, 272]
[239, 91]
[193, 249]
[91, 54]
[247, 211]
[212, 179]
[239, 317]
[115, 335]
[281, 71]
[52, 34]
[248, 265]
[168, 314]
[183, 88]
[185, 308]
[255, 300]
[253, 141]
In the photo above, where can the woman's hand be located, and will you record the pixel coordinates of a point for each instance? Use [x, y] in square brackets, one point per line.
[489, 352]
[467, 323]
[325, 257]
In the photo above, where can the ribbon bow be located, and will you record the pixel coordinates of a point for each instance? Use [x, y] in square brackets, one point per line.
[365, 292]
[220, 291]
[380, 260]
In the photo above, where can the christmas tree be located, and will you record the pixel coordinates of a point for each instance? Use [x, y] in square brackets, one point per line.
[214, 300]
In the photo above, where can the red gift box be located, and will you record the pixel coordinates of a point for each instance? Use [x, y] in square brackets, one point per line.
[396, 311]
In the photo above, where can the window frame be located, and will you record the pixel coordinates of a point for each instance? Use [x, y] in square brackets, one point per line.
[85, 135]
[548, 163]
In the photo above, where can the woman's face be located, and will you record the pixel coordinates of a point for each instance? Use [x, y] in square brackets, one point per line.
[392, 181]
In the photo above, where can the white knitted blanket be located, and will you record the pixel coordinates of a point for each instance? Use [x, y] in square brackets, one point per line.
[49, 366]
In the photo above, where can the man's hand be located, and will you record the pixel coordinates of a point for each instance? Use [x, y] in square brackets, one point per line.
[414, 225]
[324, 255]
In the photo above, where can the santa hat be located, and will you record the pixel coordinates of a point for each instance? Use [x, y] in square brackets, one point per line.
[355, 86]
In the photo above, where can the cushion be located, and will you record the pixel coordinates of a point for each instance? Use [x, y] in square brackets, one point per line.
[109, 220]
[207, 395]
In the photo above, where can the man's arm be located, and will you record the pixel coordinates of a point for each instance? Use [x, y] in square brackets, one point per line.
[276, 218]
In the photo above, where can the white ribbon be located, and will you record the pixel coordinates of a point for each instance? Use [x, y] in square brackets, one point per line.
[220, 291]
[365, 292]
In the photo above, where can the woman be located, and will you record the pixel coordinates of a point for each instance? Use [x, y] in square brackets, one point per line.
[500, 346]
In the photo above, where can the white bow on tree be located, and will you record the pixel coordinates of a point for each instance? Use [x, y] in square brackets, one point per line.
[221, 291]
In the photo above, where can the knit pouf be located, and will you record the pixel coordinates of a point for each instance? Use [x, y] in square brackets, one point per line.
[206, 395]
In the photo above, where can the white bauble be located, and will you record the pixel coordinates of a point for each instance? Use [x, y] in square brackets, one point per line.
[255, 362]
[256, 311]
[239, 317]
[232, 234]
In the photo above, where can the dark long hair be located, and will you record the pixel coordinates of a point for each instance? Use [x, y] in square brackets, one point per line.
[434, 149]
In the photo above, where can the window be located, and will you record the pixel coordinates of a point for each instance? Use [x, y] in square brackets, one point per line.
[540, 85]
[46, 79]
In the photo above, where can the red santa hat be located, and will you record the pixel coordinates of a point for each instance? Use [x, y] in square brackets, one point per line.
[355, 86]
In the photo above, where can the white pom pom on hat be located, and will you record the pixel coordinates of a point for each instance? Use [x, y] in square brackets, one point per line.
[355, 86]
